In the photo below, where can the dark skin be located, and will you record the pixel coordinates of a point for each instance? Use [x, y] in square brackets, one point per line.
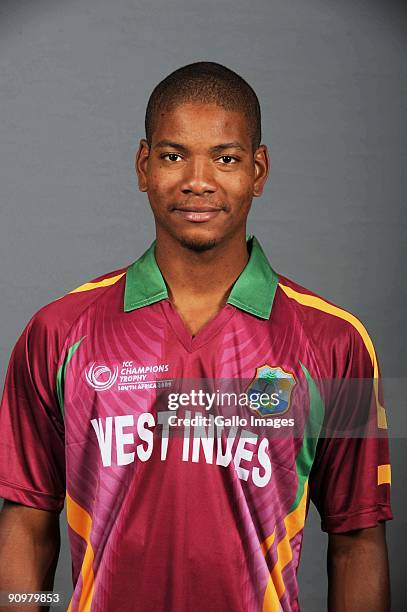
[358, 571]
[200, 261]
[29, 550]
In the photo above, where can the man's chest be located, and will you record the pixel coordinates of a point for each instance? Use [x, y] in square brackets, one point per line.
[131, 360]
[128, 381]
[147, 408]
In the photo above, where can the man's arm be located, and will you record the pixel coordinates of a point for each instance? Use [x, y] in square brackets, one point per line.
[29, 550]
[358, 571]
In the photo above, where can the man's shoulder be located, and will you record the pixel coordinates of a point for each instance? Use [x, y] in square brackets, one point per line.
[322, 317]
[57, 316]
[309, 299]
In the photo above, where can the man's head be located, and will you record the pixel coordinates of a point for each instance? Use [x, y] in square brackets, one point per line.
[202, 152]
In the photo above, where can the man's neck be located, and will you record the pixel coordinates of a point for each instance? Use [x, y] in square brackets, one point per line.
[204, 277]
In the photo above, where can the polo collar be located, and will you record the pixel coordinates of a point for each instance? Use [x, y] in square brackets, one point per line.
[253, 291]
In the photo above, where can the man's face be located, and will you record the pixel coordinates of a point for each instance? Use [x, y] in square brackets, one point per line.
[201, 174]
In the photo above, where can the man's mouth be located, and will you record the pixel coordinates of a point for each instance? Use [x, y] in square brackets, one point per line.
[197, 214]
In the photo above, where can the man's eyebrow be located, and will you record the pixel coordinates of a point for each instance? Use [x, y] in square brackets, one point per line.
[227, 145]
[216, 149]
[171, 144]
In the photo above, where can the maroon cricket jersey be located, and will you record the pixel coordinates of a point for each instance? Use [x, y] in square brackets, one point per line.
[188, 462]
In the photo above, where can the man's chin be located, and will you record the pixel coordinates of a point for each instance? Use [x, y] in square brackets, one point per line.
[198, 245]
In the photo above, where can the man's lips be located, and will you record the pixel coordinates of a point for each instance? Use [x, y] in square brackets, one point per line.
[197, 214]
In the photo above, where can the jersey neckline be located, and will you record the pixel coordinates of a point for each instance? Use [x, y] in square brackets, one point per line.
[204, 334]
[253, 290]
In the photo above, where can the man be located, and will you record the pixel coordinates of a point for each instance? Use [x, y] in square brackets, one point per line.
[103, 386]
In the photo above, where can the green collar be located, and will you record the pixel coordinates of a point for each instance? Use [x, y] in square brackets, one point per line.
[253, 291]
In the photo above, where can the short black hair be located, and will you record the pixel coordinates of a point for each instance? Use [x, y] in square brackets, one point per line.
[209, 83]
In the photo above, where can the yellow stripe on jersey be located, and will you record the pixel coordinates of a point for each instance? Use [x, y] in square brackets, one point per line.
[294, 522]
[105, 282]
[384, 474]
[320, 304]
[81, 522]
[268, 543]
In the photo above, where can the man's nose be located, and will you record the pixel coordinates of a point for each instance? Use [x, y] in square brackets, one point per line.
[198, 177]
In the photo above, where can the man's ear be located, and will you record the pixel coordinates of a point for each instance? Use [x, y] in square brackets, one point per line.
[141, 163]
[262, 167]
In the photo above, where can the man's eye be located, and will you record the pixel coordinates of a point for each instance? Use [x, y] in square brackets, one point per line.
[230, 159]
[227, 159]
[170, 155]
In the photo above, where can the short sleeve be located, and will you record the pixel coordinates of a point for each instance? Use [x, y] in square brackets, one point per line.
[32, 452]
[350, 478]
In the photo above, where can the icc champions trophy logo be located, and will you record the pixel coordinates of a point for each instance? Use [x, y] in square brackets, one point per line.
[101, 377]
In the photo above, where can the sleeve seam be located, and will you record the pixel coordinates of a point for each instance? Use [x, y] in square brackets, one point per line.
[357, 512]
[16, 486]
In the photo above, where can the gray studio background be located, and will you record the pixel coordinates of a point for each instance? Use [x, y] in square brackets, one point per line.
[331, 77]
